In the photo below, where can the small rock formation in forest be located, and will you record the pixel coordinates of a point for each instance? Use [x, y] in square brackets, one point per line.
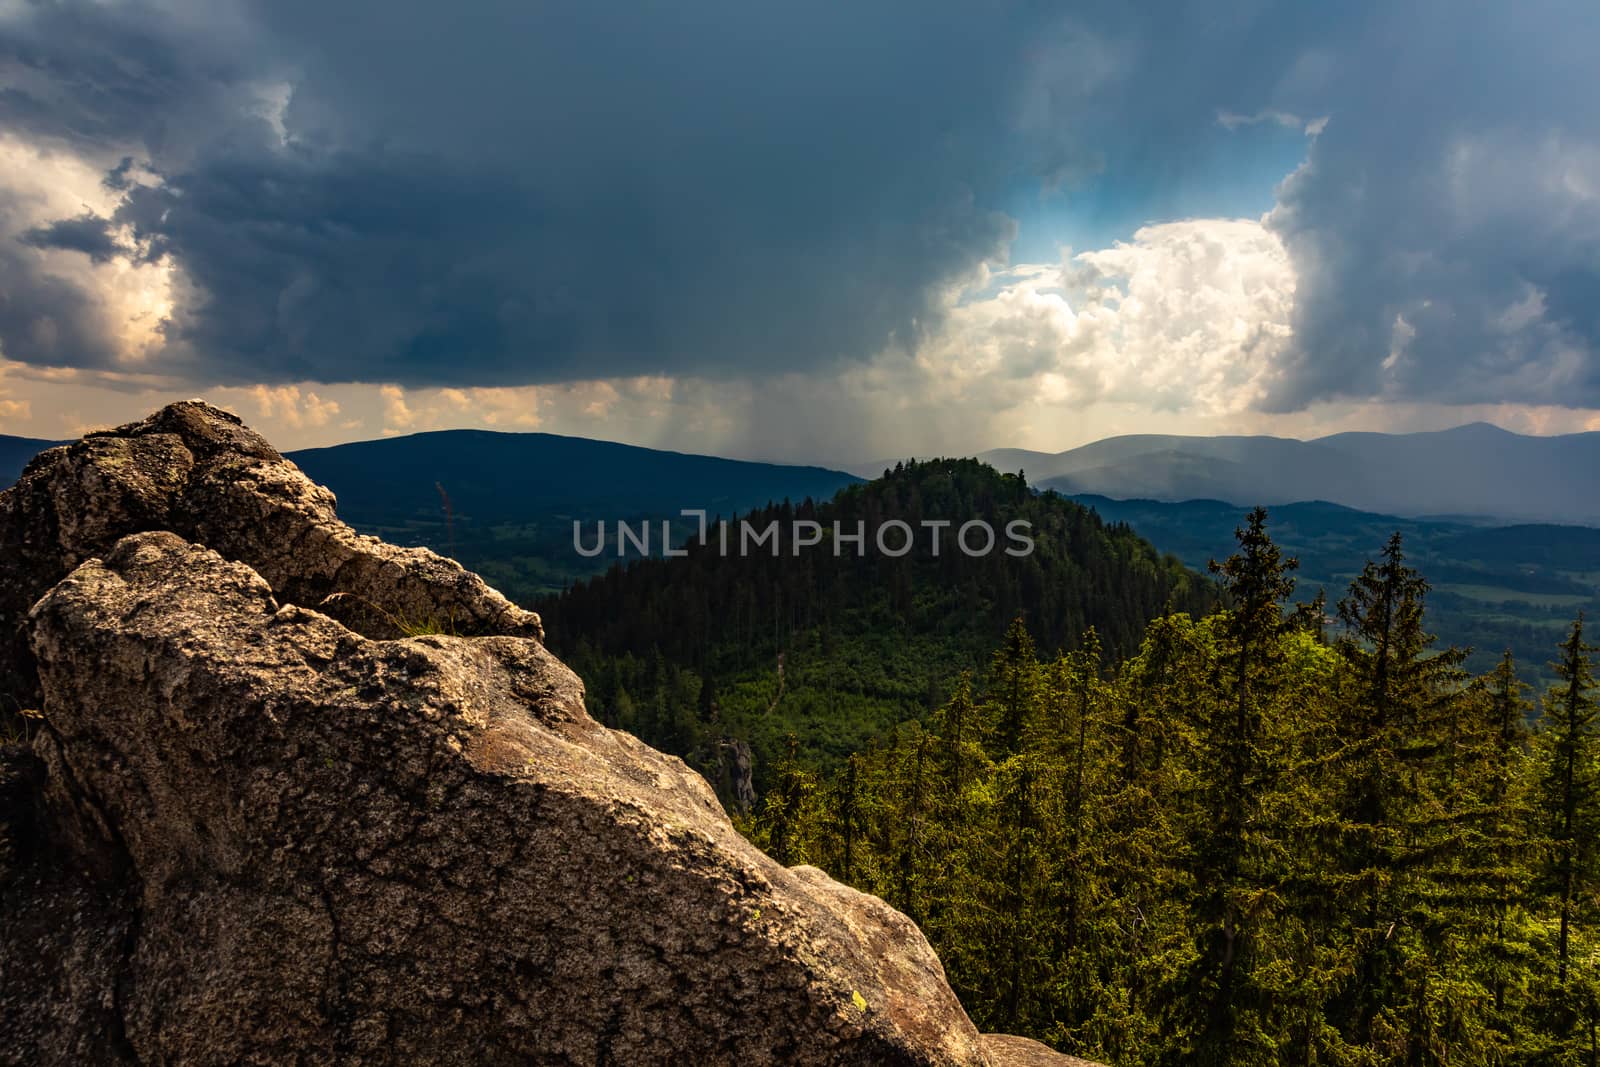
[729, 765]
[296, 795]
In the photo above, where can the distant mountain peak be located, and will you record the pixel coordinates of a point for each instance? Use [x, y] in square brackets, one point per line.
[1477, 469]
[1484, 427]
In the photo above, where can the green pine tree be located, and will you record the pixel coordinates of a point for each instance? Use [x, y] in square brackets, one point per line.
[1238, 765]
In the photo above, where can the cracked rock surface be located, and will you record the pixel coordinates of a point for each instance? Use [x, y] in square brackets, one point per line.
[247, 832]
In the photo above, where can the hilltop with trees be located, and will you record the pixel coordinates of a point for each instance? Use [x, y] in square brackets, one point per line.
[837, 647]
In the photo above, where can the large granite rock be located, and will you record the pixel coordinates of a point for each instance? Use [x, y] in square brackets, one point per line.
[248, 832]
[197, 471]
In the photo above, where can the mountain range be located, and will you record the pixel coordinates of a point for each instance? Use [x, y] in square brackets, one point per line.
[1478, 471]
[512, 500]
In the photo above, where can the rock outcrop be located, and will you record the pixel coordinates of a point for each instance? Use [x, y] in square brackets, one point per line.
[257, 825]
[1025, 1052]
[197, 471]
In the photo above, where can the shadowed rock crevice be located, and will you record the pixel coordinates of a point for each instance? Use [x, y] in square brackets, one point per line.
[261, 836]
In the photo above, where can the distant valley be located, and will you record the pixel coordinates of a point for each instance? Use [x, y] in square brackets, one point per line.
[1493, 587]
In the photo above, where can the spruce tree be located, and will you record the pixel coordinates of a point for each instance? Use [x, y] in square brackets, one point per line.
[1237, 766]
[1014, 910]
[1566, 986]
[916, 826]
[1500, 862]
[849, 809]
[786, 820]
[1076, 696]
[961, 730]
[1406, 701]
[1013, 687]
[1570, 787]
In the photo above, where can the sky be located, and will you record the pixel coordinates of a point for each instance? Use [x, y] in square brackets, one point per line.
[824, 232]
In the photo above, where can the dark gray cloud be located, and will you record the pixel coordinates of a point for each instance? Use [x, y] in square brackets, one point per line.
[1446, 227]
[523, 192]
[53, 319]
[505, 192]
[88, 233]
[537, 192]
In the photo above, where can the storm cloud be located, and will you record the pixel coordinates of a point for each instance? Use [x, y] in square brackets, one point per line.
[524, 192]
[1445, 228]
[87, 233]
[501, 193]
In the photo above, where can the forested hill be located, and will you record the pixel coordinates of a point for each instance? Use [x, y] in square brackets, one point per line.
[678, 649]
[504, 503]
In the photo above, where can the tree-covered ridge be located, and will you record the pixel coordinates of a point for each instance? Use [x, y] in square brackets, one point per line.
[1247, 843]
[838, 647]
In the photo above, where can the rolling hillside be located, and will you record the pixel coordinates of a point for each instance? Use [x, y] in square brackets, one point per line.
[513, 497]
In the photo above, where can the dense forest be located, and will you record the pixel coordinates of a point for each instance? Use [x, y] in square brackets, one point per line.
[1256, 839]
[837, 647]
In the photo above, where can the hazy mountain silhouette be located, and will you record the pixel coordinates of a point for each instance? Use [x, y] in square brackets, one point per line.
[1474, 470]
[514, 497]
